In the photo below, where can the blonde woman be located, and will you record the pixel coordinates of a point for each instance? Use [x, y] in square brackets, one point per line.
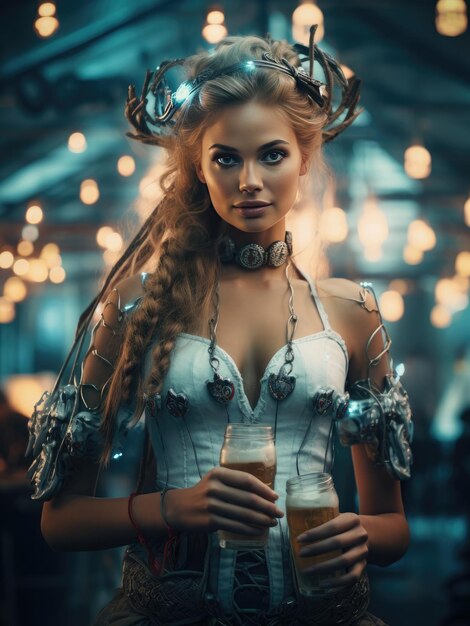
[225, 327]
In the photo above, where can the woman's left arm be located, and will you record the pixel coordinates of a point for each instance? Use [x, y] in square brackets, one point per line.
[379, 534]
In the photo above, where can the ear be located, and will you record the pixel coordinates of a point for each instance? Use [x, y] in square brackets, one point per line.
[200, 174]
[304, 167]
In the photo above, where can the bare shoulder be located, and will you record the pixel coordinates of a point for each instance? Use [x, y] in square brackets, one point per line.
[352, 310]
[347, 290]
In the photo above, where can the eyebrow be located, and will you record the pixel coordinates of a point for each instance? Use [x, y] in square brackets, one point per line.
[263, 147]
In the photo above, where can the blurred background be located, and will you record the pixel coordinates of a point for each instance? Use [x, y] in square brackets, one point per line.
[73, 188]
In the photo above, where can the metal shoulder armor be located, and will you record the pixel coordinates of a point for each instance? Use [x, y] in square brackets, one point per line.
[66, 423]
[379, 418]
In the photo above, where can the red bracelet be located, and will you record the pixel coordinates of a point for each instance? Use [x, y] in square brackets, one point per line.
[154, 563]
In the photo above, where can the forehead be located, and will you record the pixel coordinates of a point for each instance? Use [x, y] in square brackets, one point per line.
[246, 126]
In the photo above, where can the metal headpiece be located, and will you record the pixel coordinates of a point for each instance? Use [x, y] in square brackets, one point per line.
[153, 114]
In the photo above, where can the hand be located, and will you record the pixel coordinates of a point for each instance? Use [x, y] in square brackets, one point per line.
[224, 499]
[346, 533]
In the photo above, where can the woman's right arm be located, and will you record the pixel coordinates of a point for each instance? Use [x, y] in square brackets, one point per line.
[223, 499]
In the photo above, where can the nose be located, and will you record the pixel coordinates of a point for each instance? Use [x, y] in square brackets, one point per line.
[250, 180]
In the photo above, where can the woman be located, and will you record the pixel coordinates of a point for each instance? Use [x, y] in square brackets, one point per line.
[225, 327]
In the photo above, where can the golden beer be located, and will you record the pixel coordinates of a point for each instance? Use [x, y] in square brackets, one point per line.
[311, 501]
[248, 448]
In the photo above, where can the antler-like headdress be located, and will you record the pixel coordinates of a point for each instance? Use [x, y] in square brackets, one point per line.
[153, 114]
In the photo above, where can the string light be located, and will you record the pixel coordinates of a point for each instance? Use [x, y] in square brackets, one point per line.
[47, 23]
[77, 142]
[21, 267]
[440, 316]
[51, 255]
[449, 293]
[391, 305]
[462, 264]
[417, 162]
[6, 259]
[421, 235]
[89, 191]
[466, 209]
[7, 311]
[451, 17]
[34, 214]
[214, 28]
[306, 14]
[15, 289]
[38, 271]
[57, 275]
[126, 165]
[102, 234]
[372, 229]
[30, 232]
[25, 248]
[412, 255]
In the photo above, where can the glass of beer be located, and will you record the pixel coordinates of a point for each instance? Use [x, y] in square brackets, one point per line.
[311, 500]
[249, 448]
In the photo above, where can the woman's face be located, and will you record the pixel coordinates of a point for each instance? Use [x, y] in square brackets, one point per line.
[250, 154]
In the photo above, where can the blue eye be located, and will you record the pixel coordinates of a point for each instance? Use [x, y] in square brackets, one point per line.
[279, 153]
[223, 156]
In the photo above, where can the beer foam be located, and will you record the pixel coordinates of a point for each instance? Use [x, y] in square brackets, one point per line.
[315, 500]
[265, 455]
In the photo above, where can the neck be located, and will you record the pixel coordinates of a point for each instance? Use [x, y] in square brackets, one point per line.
[264, 238]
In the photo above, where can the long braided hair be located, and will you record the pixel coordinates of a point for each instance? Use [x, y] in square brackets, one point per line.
[183, 232]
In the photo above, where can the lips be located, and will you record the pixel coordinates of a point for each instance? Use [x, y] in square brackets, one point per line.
[251, 204]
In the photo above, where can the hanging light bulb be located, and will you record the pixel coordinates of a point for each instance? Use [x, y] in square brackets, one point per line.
[306, 14]
[440, 316]
[412, 255]
[451, 17]
[77, 142]
[89, 191]
[214, 28]
[391, 305]
[417, 161]
[372, 229]
[466, 209]
[462, 264]
[7, 310]
[421, 235]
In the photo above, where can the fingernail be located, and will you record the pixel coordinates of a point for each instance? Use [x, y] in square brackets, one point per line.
[279, 513]
[302, 538]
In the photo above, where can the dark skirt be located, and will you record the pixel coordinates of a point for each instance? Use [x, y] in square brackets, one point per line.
[119, 612]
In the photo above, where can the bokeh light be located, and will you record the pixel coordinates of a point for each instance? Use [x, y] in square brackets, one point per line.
[34, 214]
[77, 142]
[15, 289]
[126, 165]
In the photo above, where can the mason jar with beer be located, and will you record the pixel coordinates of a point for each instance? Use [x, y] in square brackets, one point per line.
[249, 448]
[311, 500]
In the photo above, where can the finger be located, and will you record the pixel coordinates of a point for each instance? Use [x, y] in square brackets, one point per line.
[339, 524]
[344, 541]
[246, 481]
[350, 578]
[345, 561]
[234, 526]
[244, 514]
[244, 499]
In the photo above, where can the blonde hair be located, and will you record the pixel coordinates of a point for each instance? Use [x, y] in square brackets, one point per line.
[183, 232]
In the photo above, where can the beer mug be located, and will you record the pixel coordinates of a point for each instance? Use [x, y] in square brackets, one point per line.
[249, 448]
[311, 500]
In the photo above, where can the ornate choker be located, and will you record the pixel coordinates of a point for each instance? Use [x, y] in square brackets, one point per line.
[253, 256]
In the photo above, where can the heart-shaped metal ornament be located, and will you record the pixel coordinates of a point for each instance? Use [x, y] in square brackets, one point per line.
[280, 386]
[323, 400]
[221, 389]
[176, 403]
